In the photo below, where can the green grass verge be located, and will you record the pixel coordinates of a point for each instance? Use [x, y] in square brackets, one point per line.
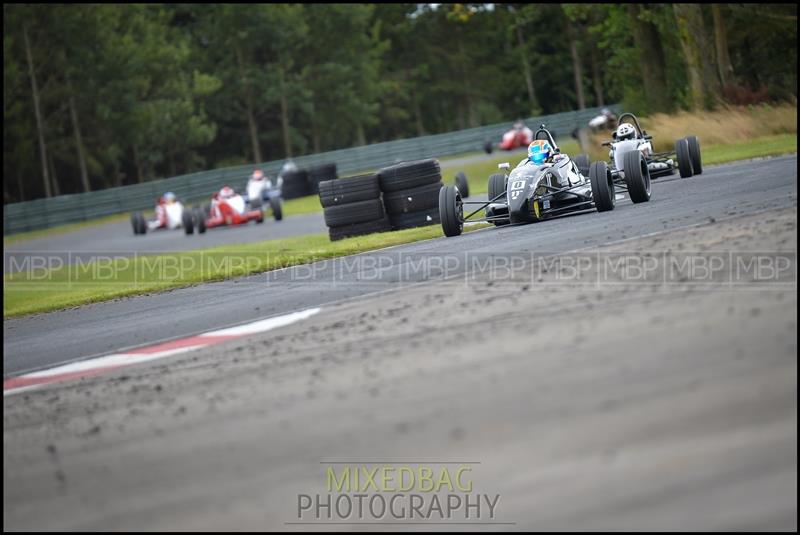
[762, 146]
[78, 284]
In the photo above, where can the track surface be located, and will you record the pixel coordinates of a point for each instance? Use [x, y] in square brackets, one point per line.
[48, 339]
[621, 406]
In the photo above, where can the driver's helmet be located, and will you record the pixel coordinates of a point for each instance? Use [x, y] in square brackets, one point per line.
[258, 174]
[519, 125]
[539, 151]
[226, 192]
[625, 131]
[169, 197]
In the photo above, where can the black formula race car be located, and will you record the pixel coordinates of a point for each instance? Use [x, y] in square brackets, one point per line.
[532, 192]
[629, 136]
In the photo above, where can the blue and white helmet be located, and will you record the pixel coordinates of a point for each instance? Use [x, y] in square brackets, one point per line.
[538, 151]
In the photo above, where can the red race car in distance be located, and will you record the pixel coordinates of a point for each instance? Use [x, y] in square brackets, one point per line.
[227, 208]
[519, 136]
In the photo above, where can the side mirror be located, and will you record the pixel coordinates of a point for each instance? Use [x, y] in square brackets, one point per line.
[504, 165]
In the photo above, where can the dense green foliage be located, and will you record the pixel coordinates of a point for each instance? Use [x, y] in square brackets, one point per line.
[103, 95]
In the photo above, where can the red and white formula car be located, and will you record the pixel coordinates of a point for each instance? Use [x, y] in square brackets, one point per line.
[519, 136]
[169, 215]
[227, 208]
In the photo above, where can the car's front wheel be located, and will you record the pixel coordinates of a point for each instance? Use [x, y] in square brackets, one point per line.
[277, 208]
[637, 176]
[684, 158]
[451, 211]
[602, 186]
[188, 222]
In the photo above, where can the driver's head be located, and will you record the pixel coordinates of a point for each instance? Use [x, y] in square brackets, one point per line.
[539, 151]
[169, 197]
[258, 174]
[625, 131]
[226, 192]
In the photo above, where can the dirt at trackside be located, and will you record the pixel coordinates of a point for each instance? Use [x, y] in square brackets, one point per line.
[666, 401]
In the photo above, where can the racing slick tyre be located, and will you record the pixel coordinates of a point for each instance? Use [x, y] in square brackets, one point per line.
[582, 161]
[684, 158]
[349, 190]
[359, 229]
[420, 218]
[412, 200]
[200, 220]
[295, 184]
[188, 222]
[637, 176]
[497, 185]
[451, 211]
[277, 208]
[602, 186]
[319, 174]
[694, 154]
[138, 223]
[357, 212]
[488, 147]
[408, 175]
[462, 184]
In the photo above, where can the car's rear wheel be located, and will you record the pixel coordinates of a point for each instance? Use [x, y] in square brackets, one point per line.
[188, 222]
[684, 158]
[138, 223]
[582, 162]
[602, 186]
[277, 208]
[497, 186]
[694, 154]
[451, 211]
[462, 184]
[637, 176]
[488, 147]
[199, 220]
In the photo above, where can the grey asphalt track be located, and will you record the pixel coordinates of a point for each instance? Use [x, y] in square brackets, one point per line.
[45, 340]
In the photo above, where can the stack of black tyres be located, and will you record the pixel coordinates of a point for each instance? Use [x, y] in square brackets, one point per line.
[411, 193]
[295, 184]
[319, 174]
[352, 206]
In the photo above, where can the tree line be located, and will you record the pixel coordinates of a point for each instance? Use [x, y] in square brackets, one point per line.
[97, 96]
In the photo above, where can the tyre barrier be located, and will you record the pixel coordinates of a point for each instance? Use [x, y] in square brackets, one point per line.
[401, 196]
[411, 193]
[295, 184]
[319, 174]
[353, 206]
[349, 190]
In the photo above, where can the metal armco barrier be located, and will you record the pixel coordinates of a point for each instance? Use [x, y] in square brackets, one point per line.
[196, 187]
